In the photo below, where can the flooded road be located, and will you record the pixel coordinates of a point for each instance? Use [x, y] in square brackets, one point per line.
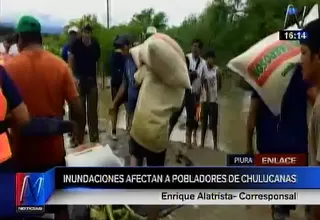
[233, 108]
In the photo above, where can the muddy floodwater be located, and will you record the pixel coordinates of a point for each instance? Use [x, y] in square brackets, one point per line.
[233, 107]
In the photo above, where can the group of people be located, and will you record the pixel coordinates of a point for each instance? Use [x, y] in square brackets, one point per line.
[35, 84]
[200, 102]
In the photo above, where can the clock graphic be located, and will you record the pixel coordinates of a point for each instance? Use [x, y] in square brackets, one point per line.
[293, 35]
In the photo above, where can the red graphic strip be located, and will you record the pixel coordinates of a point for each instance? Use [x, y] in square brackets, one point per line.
[19, 182]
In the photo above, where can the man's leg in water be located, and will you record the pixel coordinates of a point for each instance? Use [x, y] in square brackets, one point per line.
[196, 101]
[213, 123]
[83, 98]
[93, 115]
[175, 117]
[192, 123]
[204, 122]
[189, 104]
[114, 117]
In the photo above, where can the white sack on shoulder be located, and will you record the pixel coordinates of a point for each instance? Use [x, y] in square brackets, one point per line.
[166, 59]
[93, 156]
[268, 65]
[169, 66]
[155, 105]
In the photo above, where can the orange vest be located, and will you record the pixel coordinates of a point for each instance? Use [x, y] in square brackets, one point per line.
[5, 150]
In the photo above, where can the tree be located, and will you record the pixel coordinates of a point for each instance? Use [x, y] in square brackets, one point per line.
[228, 26]
[90, 19]
[148, 17]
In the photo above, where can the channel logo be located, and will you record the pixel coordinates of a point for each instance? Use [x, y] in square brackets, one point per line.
[30, 194]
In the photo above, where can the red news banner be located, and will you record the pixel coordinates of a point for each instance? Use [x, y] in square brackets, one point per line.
[268, 160]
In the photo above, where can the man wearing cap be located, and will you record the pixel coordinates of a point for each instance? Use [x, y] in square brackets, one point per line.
[72, 36]
[150, 31]
[83, 59]
[50, 86]
[117, 68]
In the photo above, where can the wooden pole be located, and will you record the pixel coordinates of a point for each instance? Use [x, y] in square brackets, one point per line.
[108, 14]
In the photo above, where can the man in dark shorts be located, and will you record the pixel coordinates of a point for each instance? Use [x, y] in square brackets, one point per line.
[130, 91]
[117, 68]
[211, 83]
[83, 59]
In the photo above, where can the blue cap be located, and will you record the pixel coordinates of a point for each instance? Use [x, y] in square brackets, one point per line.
[122, 40]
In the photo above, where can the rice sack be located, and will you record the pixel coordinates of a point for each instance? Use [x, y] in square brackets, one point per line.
[269, 65]
[164, 57]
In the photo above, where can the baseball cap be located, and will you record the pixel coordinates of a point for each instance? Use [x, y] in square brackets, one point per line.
[73, 29]
[28, 24]
[122, 40]
[151, 30]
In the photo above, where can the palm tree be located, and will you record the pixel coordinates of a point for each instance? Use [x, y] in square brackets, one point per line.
[90, 19]
[148, 17]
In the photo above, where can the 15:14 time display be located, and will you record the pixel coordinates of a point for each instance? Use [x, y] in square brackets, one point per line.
[292, 35]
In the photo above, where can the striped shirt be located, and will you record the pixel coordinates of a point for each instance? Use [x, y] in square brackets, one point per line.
[198, 66]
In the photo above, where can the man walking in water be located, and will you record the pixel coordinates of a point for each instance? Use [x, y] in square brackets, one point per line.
[211, 83]
[196, 67]
[83, 59]
[72, 36]
[117, 68]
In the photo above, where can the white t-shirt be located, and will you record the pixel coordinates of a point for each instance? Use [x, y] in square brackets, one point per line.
[193, 64]
[209, 92]
[13, 51]
[2, 48]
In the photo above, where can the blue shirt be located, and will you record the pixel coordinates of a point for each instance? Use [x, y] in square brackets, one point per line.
[65, 52]
[132, 89]
[9, 90]
[287, 133]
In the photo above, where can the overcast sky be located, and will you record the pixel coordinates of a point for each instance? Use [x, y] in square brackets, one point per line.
[60, 11]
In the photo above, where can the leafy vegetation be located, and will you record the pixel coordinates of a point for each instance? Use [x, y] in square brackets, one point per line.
[228, 26]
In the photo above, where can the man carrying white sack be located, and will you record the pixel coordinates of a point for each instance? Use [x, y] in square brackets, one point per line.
[156, 99]
[283, 134]
[162, 74]
[162, 77]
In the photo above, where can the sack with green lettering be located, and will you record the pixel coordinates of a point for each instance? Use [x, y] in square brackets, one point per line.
[268, 65]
